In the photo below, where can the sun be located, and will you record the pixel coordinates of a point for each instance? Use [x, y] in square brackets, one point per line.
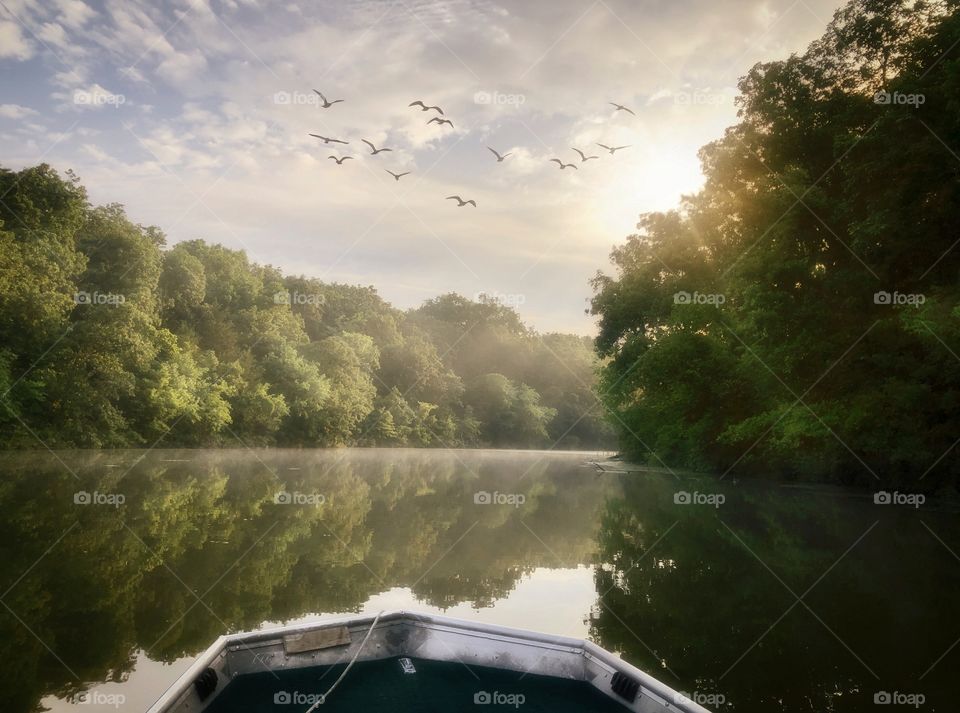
[653, 178]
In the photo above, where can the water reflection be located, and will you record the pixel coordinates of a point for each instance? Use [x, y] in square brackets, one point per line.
[781, 598]
[115, 560]
[107, 555]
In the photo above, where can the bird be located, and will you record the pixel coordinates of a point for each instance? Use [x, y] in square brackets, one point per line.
[499, 157]
[340, 160]
[373, 149]
[563, 165]
[438, 120]
[583, 157]
[613, 149]
[424, 107]
[327, 104]
[328, 140]
[621, 107]
[396, 176]
[461, 202]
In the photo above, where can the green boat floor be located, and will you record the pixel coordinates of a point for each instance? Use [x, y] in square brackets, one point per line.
[436, 687]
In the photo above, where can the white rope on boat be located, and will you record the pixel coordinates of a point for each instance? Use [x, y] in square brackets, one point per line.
[323, 698]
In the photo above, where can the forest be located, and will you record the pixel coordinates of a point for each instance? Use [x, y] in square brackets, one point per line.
[798, 317]
[111, 338]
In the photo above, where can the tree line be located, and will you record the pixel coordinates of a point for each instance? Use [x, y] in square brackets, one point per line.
[800, 315]
[109, 337]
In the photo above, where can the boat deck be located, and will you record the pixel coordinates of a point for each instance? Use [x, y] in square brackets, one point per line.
[436, 687]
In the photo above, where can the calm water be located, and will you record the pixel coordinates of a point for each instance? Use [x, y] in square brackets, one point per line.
[120, 567]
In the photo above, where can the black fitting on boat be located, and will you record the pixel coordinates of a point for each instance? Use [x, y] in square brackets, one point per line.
[624, 686]
[206, 683]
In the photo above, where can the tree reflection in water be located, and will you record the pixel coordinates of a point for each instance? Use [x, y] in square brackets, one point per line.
[200, 546]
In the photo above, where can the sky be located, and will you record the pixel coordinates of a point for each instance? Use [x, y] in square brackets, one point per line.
[196, 115]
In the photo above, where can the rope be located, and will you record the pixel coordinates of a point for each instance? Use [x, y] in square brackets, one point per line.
[323, 699]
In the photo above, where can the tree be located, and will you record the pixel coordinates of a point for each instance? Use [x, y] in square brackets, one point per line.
[111, 339]
[758, 326]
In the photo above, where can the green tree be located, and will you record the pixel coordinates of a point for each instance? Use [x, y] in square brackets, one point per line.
[749, 328]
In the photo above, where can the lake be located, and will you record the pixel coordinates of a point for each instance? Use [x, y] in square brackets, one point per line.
[121, 566]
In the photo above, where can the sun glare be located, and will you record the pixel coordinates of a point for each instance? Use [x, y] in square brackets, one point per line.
[655, 181]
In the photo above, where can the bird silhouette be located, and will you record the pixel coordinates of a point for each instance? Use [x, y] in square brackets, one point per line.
[396, 176]
[328, 140]
[613, 149]
[620, 107]
[327, 104]
[340, 160]
[563, 165]
[461, 202]
[424, 107]
[373, 149]
[499, 156]
[583, 157]
[438, 120]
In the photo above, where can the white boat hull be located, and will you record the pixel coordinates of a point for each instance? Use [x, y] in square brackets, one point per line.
[426, 636]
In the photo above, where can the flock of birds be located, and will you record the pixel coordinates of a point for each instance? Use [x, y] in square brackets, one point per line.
[441, 120]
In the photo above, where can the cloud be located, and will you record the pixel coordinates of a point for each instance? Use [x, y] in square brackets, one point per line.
[15, 111]
[217, 157]
[53, 34]
[182, 67]
[75, 13]
[13, 44]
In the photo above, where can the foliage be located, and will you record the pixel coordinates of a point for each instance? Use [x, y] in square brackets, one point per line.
[110, 338]
[752, 328]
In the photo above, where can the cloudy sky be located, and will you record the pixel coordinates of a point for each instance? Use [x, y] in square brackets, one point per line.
[195, 114]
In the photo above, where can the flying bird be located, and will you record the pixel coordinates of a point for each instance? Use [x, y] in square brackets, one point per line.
[583, 157]
[340, 160]
[328, 140]
[326, 103]
[438, 120]
[396, 176]
[563, 165]
[424, 107]
[620, 107]
[613, 149]
[461, 202]
[373, 149]
[499, 156]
